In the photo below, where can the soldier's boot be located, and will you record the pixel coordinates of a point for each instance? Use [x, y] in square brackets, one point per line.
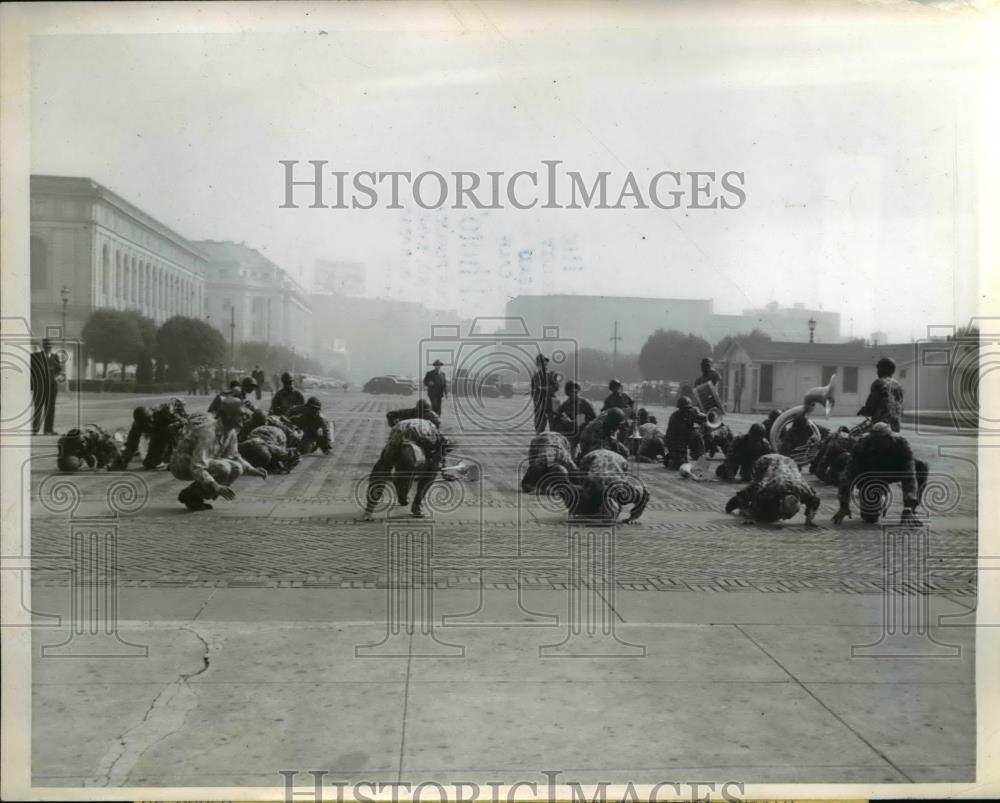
[193, 498]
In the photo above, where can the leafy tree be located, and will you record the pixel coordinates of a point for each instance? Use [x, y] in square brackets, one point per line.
[112, 336]
[669, 354]
[183, 343]
[598, 366]
[147, 347]
[748, 339]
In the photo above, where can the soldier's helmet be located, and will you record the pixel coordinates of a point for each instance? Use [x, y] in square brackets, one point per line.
[757, 430]
[177, 406]
[614, 384]
[570, 387]
[248, 383]
[142, 415]
[312, 401]
[256, 453]
[885, 367]
[613, 419]
[286, 378]
[642, 414]
[422, 406]
[789, 506]
[683, 403]
[67, 462]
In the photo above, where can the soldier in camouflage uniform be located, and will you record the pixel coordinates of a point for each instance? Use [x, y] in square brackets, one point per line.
[606, 487]
[317, 431]
[717, 440]
[414, 450]
[162, 426]
[879, 459]
[90, 445]
[743, 453]
[775, 492]
[603, 433]
[653, 439]
[422, 409]
[885, 398]
[267, 447]
[550, 458]
[684, 434]
[833, 455]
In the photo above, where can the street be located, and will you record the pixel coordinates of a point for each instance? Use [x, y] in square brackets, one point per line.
[732, 643]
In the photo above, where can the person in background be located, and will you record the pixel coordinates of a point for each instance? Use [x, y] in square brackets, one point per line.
[287, 397]
[317, 432]
[544, 387]
[193, 382]
[258, 376]
[708, 373]
[684, 434]
[573, 414]
[618, 398]
[208, 456]
[46, 368]
[437, 386]
[885, 398]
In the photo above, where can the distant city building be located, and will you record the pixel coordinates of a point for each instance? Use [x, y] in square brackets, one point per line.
[106, 252]
[262, 301]
[590, 320]
[345, 278]
[878, 338]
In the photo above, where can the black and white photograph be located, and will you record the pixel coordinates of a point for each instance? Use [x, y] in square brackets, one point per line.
[495, 401]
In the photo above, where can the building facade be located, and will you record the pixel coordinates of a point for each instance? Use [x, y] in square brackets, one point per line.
[250, 298]
[96, 249]
[345, 278]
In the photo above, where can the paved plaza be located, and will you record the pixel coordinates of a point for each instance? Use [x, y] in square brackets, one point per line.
[279, 634]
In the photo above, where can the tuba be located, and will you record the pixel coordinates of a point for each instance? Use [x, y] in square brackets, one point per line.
[806, 453]
[706, 398]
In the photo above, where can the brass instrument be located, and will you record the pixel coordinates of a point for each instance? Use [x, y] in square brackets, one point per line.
[805, 454]
[706, 398]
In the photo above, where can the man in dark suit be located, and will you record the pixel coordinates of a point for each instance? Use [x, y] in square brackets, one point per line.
[46, 368]
[258, 377]
[437, 386]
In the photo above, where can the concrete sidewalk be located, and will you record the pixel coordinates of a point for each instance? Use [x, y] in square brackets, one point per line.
[241, 683]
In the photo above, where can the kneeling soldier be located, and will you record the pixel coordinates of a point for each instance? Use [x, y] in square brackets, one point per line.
[162, 426]
[653, 440]
[606, 487]
[684, 434]
[415, 449]
[879, 459]
[208, 455]
[602, 433]
[833, 455]
[743, 453]
[550, 458]
[775, 491]
[266, 447]
[317, 431]
[90, 445]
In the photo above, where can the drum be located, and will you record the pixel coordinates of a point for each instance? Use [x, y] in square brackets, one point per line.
[706, 397]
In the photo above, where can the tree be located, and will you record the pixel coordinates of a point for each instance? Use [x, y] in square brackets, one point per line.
[147, 347]
[669, 354]
[748, 339]
[183, 343]
[111, 335]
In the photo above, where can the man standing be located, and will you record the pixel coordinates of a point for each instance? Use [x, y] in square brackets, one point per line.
[287, 397]
[618, 398]
[885, 399]
[208, 455]
[544, 387]
[437, 386]
[46, 368]
[258, 376]
[708, 373]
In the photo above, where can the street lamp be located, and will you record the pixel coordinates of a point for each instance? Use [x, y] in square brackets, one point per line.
[812, 328]
[65, 300]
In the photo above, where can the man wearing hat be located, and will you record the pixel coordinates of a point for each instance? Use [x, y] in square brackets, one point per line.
[684, 434]
[45, 370]
[544, 387]
[437, 386]
[878, 460]
[287, 397]
[885, 398]
[708, 373]
[208, 456]
[258, 377]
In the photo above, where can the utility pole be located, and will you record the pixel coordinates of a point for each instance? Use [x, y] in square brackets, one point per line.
[232, 336]
[614, 350]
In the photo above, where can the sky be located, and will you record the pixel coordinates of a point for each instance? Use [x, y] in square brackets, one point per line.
[855, 134]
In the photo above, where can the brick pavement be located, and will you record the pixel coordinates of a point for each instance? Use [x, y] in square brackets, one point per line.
[297, 530]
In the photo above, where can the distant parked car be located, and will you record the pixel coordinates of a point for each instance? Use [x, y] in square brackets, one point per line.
[389, 384]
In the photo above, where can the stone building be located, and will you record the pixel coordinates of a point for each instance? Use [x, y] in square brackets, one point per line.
[261, 301]
[96, 249]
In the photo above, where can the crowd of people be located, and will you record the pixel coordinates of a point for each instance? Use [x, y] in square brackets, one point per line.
[578, 454]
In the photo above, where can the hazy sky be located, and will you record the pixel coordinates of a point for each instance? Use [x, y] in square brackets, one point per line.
[854, 134]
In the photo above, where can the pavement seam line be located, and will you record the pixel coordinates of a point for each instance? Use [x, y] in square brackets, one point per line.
[833, 713]
[406, 702]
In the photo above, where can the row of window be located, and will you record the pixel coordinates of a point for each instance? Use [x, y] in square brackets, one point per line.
[135, 281]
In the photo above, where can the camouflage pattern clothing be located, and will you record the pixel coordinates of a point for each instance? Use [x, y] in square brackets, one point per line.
[549, 456]
[652, 444]
[684, 436]
[881, 459]
[606, 487]
[743, 453]
[595, 436]
[208, 455]
[393, 417]
[833, 455]
[90, 445]
[717, 440]
[162, 426]
[267, 447]
[393, 466]
[774, 476]
[317, 431]
[884, 403]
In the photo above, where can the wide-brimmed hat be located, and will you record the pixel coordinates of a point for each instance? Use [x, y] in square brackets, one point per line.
[437, 362]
